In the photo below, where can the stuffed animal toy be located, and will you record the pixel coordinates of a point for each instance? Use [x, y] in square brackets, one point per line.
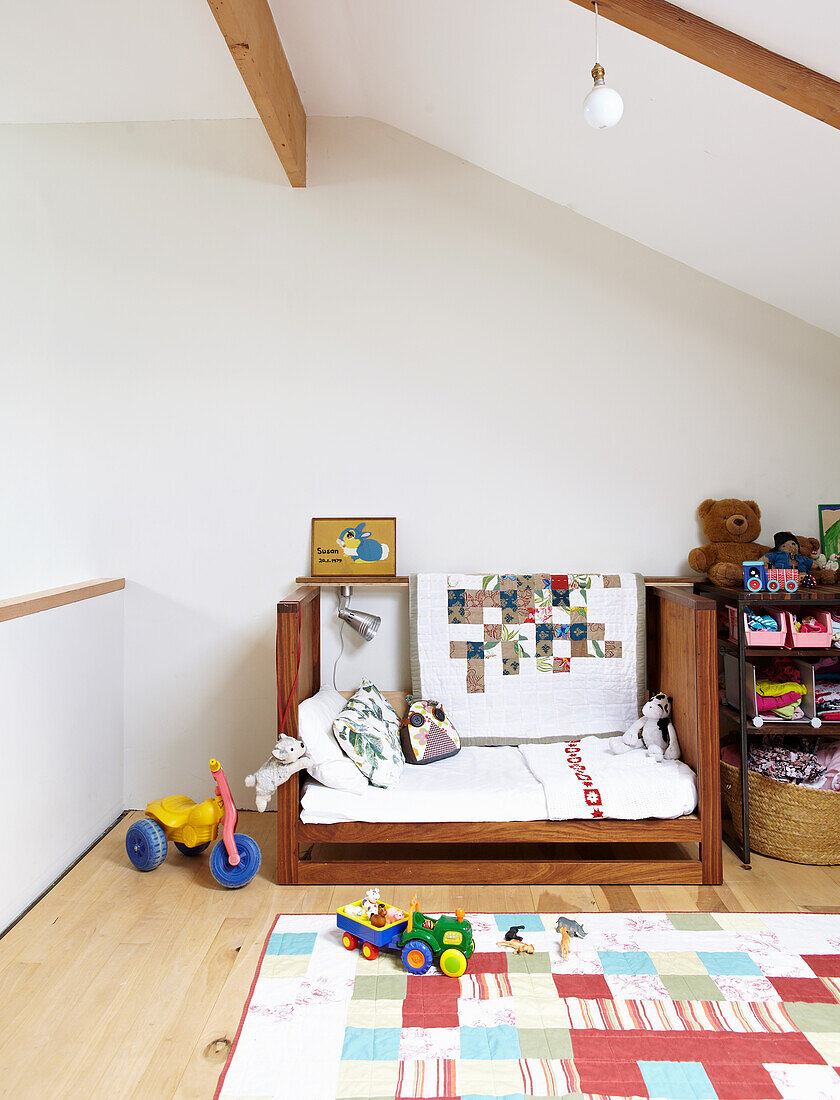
[654, 731]
[827, 567]
[731, 526]
[370, 902]
[287, 757]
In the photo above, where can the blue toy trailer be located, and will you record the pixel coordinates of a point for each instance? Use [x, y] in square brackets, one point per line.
[372, 939]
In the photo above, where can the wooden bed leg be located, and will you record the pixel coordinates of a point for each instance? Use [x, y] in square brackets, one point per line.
[288, 814]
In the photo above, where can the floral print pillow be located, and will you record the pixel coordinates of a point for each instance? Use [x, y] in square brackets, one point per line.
[368, 730]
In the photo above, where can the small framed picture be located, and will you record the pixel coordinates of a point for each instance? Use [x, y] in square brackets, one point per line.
[829, 528]
[354, 547]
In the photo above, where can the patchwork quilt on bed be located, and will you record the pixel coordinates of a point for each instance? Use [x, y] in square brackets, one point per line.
[529, 657]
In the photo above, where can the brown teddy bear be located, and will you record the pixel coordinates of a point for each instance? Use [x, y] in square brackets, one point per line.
[731, 526]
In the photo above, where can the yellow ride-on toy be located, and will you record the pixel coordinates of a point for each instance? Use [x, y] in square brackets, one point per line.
[192, 826]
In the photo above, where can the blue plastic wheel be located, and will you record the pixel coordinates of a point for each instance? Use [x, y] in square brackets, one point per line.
[249, 862]
[145, 843]
[417, 957]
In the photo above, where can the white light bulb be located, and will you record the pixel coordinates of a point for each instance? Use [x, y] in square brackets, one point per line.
[603, 107]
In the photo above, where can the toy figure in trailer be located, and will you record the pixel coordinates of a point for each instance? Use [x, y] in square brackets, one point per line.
[359, 545]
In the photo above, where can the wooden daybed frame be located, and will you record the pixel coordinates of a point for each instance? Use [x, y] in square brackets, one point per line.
[681, 660]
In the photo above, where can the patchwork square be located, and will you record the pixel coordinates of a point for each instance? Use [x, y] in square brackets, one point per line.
[531, 922]
[803, 989]
[677, 1081]
[371, 1044]
[824, 966]
[291, 943]
[814, 1017]
[538, 963]
[694, 922]
[589, 987]
[490, 1043]
[285, 966]
[548, 1042]
[379, 1013]
[735, 963]
[678, 962]
[694, 987]
[627, 962]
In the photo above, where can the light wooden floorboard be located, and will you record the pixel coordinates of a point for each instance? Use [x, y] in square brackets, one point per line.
[134, 984]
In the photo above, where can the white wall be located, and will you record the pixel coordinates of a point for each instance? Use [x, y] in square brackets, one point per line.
[197, 359]
[61, 712]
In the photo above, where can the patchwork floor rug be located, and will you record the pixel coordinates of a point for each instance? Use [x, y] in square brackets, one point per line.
[668, 1006]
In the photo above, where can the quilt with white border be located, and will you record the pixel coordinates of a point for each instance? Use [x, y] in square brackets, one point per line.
[529, 657]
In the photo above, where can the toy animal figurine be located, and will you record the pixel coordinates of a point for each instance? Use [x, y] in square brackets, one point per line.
[379, 919]
[513, 932]
[571, 926]
[565, 943]
[393, 915]
[370, 902]
[654, 731]
[517, 946]
[359, 545]
[287, 757]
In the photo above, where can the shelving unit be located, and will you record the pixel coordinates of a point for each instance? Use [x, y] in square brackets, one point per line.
[737, 718]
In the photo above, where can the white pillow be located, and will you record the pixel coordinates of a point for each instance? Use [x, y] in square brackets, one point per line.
[329, 764]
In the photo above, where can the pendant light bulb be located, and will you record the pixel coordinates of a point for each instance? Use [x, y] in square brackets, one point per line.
[603, 107]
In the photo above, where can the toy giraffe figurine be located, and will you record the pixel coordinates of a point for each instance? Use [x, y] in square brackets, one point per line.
[565, 943]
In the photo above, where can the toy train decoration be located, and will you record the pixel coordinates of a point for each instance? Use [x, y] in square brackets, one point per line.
[758, 578]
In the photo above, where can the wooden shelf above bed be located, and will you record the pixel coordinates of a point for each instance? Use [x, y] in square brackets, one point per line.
[356, 582]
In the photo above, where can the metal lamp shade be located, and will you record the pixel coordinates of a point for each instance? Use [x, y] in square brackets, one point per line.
[363, 623]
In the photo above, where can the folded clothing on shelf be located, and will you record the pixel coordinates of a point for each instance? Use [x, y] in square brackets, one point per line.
[757, 621]
[827, 689]
[779, 690]
[807, 625]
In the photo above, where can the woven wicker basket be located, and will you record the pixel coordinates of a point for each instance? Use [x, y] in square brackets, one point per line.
[786, 821]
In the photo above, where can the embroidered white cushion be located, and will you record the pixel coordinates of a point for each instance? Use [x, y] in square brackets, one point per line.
[329, 764]
[368, 729]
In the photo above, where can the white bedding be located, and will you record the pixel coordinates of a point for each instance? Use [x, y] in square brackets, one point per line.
[479, 784]
[585, 779]
[497, 784]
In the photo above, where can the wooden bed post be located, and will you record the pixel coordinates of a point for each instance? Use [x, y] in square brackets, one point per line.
[298, 629]
[682, 662]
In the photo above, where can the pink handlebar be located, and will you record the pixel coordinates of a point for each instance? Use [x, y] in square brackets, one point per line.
[229, 820]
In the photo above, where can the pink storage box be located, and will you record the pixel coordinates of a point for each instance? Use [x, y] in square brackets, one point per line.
[816, 640]
[768, 638]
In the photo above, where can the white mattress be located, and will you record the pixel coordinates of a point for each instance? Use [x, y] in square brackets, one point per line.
[479, 784]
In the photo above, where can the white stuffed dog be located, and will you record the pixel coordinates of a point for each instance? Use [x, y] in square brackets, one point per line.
[654, 731]
[287, 757]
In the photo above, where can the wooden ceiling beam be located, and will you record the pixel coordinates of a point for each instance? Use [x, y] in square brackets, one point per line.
[251, 35]
[728, 53]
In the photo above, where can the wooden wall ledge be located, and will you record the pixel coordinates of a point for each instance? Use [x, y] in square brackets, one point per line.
[19, 606]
